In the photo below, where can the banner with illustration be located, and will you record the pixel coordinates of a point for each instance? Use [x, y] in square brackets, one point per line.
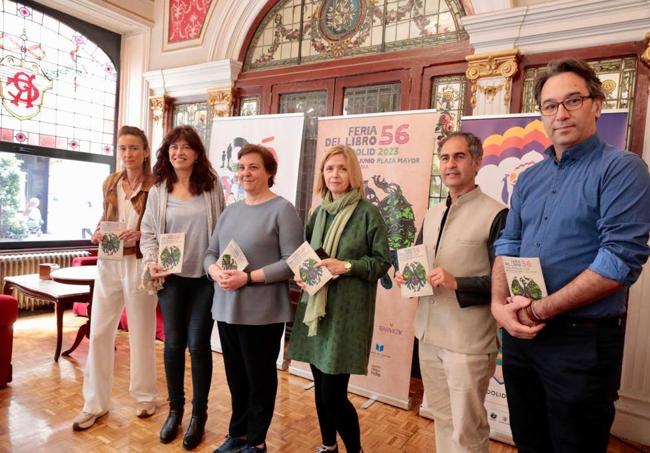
[395, 151]
[282, 135]
[512, 143]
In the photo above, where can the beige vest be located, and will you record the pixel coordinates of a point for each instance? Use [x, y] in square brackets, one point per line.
[462, 252]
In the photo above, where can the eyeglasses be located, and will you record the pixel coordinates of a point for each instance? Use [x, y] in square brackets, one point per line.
[572, 103]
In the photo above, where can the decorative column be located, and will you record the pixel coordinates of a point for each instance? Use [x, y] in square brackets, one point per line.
[490, 75]
[161, 118]
[633, 407]
[221, 101]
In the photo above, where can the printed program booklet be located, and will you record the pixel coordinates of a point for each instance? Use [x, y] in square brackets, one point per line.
[232, 258]
[414, 266]
[302, 262]
[525, 277]
[170, 251]
[111, 246]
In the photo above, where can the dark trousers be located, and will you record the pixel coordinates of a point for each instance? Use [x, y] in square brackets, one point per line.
[335, 411]
[249, 357]
[185, 304]
[562, 385]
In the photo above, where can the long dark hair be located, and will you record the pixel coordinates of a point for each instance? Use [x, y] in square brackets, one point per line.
[203, 176]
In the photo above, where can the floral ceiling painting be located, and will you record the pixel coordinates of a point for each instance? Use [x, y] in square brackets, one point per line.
[186, 19]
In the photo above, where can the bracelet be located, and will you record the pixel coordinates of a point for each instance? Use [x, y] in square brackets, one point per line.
[249, 279]
[533, 314]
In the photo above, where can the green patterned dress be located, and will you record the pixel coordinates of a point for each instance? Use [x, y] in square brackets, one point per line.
[342, 345]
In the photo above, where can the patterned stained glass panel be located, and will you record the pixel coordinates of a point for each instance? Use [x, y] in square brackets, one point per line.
[448, 97]
[618, 76]
[372, 99]
[58, 88]
[314, 104]
[197, 115]
[303, 31]
[250, 105]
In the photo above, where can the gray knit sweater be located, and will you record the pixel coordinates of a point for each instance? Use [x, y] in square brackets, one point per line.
[267, 233]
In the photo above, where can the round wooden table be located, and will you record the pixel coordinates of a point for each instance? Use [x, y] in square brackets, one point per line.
[78, 275]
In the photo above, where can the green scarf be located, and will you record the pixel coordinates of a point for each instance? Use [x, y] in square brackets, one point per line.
[342, 208]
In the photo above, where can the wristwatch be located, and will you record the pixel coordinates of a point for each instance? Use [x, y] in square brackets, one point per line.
[348, 266]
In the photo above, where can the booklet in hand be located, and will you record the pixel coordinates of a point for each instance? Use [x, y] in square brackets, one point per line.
[525, 277]
[414, 266]
[170, 251]
[303, 263]
[232, 258]
[111, 246]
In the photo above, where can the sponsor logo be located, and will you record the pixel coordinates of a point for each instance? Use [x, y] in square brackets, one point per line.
[379, 347]
[390, 330]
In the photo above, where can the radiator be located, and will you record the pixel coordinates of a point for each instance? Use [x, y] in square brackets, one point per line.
[27, 263]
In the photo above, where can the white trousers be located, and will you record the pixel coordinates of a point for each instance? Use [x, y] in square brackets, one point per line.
[455, 385]
[116, 286]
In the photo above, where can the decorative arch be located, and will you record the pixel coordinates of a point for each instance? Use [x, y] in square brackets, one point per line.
[294, 32]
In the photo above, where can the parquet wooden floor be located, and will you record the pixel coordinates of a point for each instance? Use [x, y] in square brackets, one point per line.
[37, 408]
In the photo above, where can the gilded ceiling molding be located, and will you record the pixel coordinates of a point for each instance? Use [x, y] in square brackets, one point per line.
[220, 100]
[645, 56]
[492, 64]
[159, 105]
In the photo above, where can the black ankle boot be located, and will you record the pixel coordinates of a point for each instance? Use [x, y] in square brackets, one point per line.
[169, 430]
[195, 430]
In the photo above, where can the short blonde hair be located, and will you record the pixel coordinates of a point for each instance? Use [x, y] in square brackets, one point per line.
[354, 169]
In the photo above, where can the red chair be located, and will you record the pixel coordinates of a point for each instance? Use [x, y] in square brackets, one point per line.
[8, 315]
[81, 308]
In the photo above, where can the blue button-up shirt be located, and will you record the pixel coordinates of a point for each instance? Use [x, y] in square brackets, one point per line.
[590, 209]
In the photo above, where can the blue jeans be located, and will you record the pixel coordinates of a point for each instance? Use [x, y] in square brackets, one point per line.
[185, 304]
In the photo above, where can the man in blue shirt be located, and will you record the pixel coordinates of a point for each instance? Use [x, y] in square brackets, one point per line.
[585, 212]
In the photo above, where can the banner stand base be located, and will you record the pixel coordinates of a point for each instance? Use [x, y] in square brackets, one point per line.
[368, 403]
[402, 404]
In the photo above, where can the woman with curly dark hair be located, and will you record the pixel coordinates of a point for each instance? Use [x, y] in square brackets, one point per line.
[187, 198]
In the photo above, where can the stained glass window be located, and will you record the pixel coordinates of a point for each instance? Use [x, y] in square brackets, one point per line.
[250, 105]
[303, 31]
[58, 90]
[372, 99]
[197, 115]
[58, 87]
[314, 104]
[618, 76]
[448, 97]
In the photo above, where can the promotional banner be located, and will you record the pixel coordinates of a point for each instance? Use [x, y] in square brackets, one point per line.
[282, 135]
[395, 151]
[512, 143]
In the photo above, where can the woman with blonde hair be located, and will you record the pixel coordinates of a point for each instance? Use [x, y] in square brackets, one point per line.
[333, 329]
[117, 285]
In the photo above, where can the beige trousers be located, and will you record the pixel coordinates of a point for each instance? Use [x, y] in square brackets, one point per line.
[116, 286]
[455, 385]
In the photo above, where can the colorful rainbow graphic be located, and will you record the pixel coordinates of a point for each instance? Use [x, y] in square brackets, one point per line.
[515, 142]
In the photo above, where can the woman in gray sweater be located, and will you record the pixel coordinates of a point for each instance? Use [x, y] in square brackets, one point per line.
[187, 198]
[251, 307]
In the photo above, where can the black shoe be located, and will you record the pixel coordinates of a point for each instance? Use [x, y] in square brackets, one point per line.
[169, 430]
[254, 449]
[232, 445]
[195, 430]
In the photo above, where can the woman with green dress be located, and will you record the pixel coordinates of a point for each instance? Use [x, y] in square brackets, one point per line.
[332, 330]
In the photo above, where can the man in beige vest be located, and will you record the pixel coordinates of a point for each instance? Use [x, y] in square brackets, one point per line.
[457, 333]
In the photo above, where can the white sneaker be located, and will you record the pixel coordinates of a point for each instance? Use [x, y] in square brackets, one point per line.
[85, 420]
[145, 409]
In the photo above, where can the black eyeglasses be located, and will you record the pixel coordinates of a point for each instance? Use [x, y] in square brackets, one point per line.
[571, 103]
